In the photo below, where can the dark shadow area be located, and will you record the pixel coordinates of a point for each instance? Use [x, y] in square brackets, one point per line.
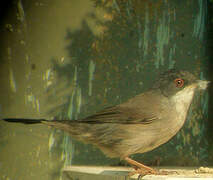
[5, 8]
[209, 47]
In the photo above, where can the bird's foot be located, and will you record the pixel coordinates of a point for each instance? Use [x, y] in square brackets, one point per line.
[143, 172]
[140, 167]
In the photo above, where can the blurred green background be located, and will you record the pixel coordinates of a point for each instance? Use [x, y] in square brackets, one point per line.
[68, 59]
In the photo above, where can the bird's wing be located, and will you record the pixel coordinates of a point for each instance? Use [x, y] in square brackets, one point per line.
[123, 115]
[143, 108]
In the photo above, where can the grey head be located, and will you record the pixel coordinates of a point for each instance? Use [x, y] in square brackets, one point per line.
[174, 81]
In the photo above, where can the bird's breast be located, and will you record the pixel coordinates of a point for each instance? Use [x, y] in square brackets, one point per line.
[181, 102]
[170, 121]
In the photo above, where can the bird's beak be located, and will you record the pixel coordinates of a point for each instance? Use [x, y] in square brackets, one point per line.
[202, 84]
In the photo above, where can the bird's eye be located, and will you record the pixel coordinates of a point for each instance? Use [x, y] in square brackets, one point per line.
[179, 82]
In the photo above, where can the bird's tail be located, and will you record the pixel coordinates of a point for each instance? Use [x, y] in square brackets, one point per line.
[75, 128]
[25, 121]
[80, 130]
[60, 124]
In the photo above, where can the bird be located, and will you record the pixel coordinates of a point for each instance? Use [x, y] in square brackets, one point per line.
[138, 125]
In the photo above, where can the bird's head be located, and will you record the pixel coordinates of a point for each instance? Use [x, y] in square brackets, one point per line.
[174, 81]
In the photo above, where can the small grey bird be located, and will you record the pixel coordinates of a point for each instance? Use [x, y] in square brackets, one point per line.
[138, 125]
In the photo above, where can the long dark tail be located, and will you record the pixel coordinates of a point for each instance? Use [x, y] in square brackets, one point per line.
[24, 121]
[76, 129]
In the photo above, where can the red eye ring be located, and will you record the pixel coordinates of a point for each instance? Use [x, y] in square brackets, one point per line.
[179, 82]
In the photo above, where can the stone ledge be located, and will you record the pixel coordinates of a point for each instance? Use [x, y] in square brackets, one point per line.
[121, 173]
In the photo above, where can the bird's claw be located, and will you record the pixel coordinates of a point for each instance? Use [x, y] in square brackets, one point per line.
[143, 172]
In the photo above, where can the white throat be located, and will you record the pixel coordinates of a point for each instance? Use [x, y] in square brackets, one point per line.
[182, 101]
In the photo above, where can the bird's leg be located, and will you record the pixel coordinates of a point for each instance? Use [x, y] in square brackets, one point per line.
[140, 168]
